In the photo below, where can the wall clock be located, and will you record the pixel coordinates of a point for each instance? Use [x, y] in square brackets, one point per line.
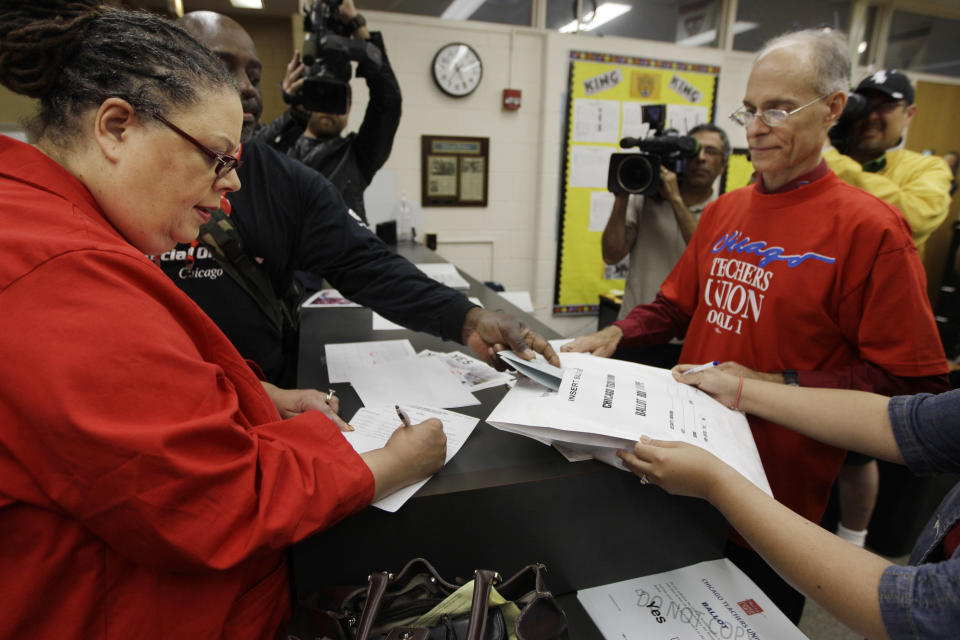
[457, 69]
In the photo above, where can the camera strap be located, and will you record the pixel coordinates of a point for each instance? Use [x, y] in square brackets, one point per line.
[223, 240]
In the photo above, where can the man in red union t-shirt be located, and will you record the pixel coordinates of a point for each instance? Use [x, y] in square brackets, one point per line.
[798, 279]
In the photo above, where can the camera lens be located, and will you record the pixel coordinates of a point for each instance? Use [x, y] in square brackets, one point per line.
[635, 174]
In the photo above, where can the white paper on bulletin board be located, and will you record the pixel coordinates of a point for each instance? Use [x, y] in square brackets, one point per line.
[684, 117]
[596, 120]
[633, 124]
[589, 165]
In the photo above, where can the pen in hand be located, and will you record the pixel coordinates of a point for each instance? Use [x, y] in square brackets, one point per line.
[403, 416]
[702, 367]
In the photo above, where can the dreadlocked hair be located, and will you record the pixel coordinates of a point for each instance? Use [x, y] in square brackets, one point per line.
[74, 54]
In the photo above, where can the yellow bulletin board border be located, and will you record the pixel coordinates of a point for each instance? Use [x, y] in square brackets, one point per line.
[603, 85]
[738, 172]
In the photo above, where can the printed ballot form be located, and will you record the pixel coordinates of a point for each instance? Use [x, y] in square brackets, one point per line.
[373, 426]
[711, 600]
[603, 405]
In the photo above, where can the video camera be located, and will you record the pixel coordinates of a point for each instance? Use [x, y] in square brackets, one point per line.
[327, 52]
[640, 172]
[857, 108]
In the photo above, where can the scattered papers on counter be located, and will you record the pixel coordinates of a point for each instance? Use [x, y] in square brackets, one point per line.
[345, 356]
[327, 298]
[712, 600]
[382, 324]
[373, 426]
[603, 405]
[473, 374]
[421, 381]
[444, 273]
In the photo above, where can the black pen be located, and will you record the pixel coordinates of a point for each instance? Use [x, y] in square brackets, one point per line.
[403, 417]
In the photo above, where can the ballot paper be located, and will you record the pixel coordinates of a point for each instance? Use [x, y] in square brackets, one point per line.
[712, 600]
[341, 357]
[472, 373]
[604, 405]
[373, 426]
[382, 324]
[538, 369]
[444, 273]
[422, 381]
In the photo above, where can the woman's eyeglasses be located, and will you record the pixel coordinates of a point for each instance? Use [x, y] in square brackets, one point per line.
[225, 162]
[769, 117]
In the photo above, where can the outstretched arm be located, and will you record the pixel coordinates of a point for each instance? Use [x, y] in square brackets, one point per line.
[840, 577]
[840, 417]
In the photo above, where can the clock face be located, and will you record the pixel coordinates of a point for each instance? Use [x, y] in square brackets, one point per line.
[457, 69]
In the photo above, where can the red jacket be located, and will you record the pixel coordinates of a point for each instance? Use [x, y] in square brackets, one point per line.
[148, 487]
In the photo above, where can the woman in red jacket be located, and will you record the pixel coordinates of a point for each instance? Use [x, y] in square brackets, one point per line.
[148, 485]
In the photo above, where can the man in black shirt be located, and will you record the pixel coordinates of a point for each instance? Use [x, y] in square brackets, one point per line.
[351, 161]
[290, 218]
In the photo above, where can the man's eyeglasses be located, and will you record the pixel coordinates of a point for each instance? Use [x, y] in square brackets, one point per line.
[769, 117]
[225, 162]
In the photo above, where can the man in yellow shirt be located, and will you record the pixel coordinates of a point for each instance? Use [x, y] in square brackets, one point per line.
[873, 159]
[868, 153]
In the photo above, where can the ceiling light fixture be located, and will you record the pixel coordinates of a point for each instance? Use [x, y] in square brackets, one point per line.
[461, 9]
[604, 14]
[708, 36]
[247, 4]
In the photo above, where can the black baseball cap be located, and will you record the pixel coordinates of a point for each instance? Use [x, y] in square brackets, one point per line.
[889, 81]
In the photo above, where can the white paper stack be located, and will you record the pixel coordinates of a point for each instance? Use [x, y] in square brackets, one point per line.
[603, 405]
[444, 273]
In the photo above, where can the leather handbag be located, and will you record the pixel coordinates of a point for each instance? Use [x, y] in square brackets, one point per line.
[418, 604]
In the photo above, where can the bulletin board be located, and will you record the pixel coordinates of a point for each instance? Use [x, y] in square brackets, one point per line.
[738, 172]
[611, 97]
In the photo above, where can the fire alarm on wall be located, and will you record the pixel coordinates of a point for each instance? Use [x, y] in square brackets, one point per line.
[511, 99]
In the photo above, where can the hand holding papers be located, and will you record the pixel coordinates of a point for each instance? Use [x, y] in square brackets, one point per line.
[603, 405]
[373, 426]
[538, 370]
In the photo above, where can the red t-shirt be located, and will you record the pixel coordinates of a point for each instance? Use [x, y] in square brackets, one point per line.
[822, 277]
[148, 487]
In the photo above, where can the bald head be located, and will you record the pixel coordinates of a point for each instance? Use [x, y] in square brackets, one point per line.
[822, 51]
[234, 46]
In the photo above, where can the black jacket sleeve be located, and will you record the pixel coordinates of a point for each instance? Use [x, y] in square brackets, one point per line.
[331, 244]
[374, 139]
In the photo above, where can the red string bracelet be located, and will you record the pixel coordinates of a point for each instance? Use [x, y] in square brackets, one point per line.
[736, 402]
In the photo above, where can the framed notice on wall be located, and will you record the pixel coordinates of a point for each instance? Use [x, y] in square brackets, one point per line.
[455, 171]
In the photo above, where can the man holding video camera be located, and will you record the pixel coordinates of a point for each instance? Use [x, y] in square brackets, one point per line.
[314, 138]
[654, 228]
[868, 153]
